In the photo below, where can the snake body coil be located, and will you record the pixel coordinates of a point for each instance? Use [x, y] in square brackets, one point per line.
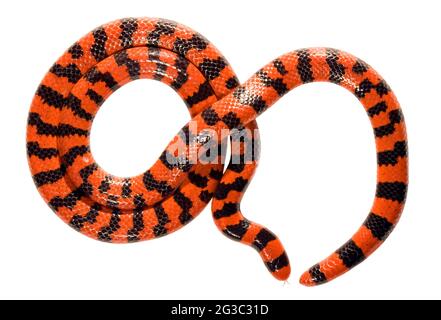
[172, 193]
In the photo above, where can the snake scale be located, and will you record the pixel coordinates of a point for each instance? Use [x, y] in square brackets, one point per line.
[171, 193]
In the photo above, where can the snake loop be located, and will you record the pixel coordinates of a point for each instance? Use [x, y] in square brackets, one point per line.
[172, 193]
[94, 202]
[259, 93]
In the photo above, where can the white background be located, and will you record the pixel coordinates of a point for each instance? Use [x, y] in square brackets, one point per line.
[316, 179]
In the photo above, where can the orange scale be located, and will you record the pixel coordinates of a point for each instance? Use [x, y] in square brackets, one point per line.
[41, 164]
[231, 220]
[80, 91]
[373, 76]
[82, 64]
[139, 37]
[146, 234]
[270, 96]
[89, 231]
[210, 52]
[251, 233]
[194, 56]
[211, 186]
[125, 223]
[66, 214]
[102, 220]
[351, 84]
[366, 241]
[166, 56]
[388, 142]
[161, 172]
[272, 250]
[395, 172]
[113, 44]
[90, 106]
[59, 188]
[283, 273]
[199, 107]
[149, 219]
[167, 80]
[198, 205]
[85, 204]
[172, 209]
[391, 100]
[290, 62]
[115, 189]
[178, 33]
[146, 74]
[43, 141]
[371, 98]
[194, 191]
[217, 205]
[164, 43]
[391, 210]
[380, 119]
[106, 64]
[48, 164]
[49, 115]
[320, 69]
[59, 84]
[195, 210]
[191, 87]
[120, 74]
[244, 113]
[358, 78]
[151, 196]
[248, 170]
[168, 40]
[230, 177]
[81, 87]
[333, 267]
[89, 60]
[172, 72]
[67, 116]
[348, 63]
[203, 170]
[65, 59]
[86, 42]
[368, 106]
[73, 171]
[140, 55]
[100, 88]
[307, 280]
[198, 123]
[40, 107]
[220, 82]
[137, 184]
[272, 72]
[95, 178]
[66, 143]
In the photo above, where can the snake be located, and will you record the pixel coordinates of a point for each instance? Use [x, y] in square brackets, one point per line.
[174, 190]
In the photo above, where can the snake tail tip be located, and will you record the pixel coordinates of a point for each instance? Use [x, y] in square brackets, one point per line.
[282, 274]
[307, 280]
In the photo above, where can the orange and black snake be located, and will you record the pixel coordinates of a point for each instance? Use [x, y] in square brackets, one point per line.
[175, 189]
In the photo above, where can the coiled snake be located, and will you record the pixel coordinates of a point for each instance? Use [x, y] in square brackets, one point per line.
[175, 190]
